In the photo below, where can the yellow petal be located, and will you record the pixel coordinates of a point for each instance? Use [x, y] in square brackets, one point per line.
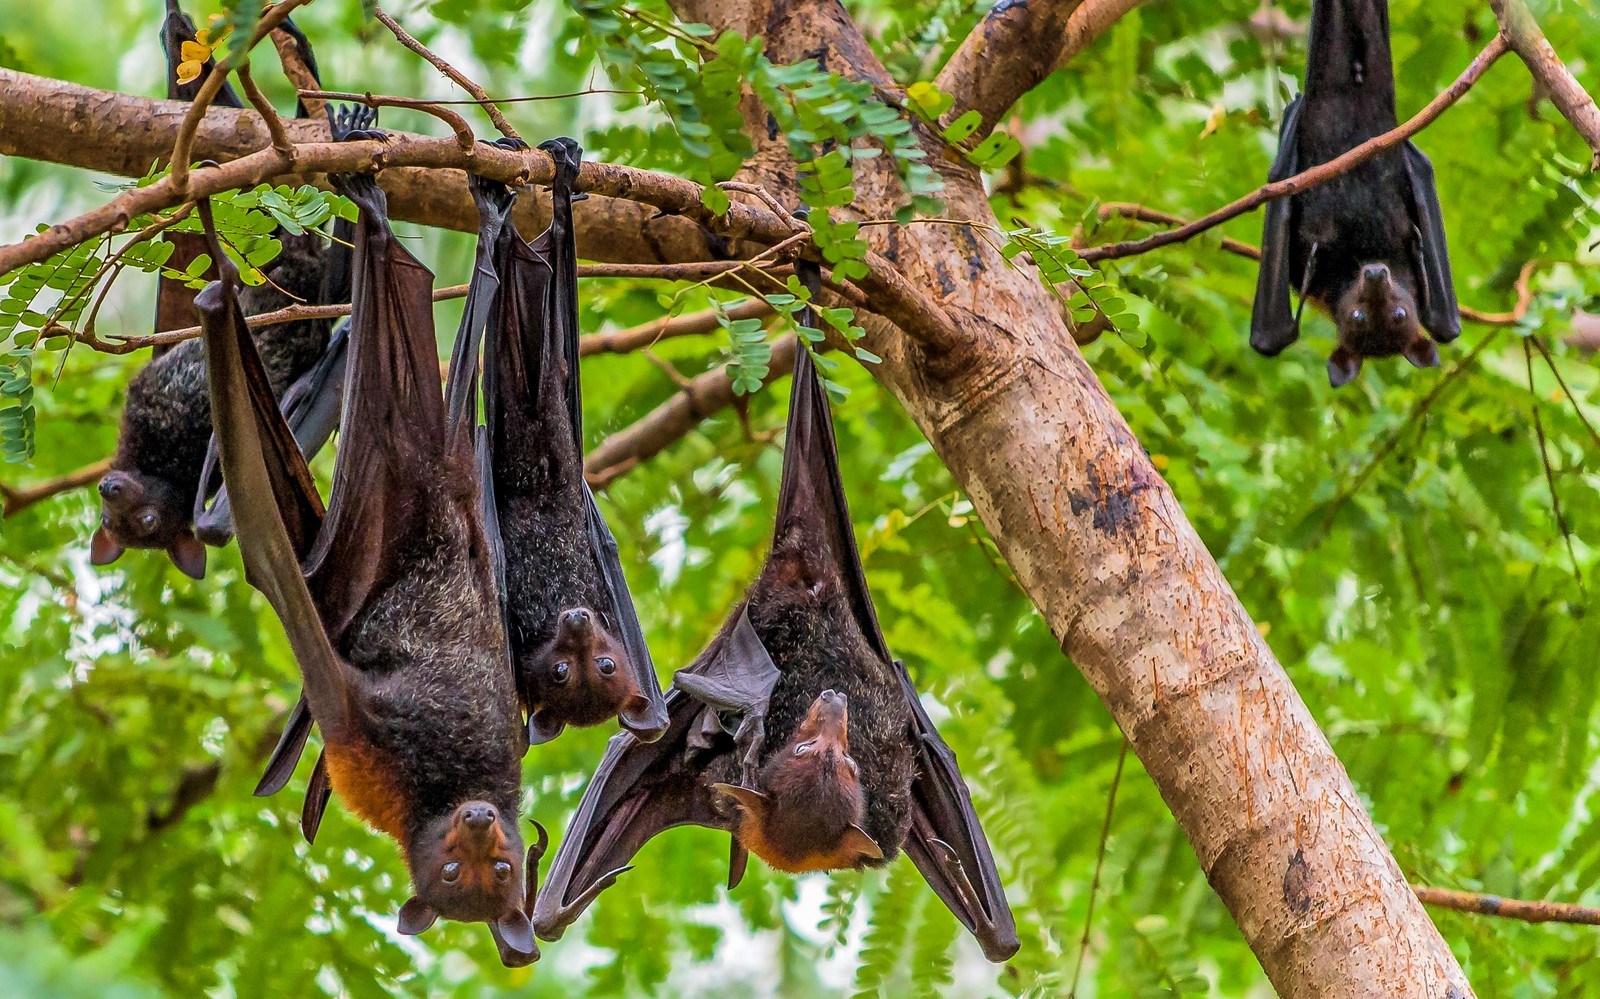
[1160, 461]
[203, 36]
[195, 52]
[188, 72]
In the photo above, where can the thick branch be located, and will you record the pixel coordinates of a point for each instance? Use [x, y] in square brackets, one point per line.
[24, 132]
[1566, 93]
[1508, 908]
[1017, 45]
[1319, 174]
[705, 395]
[60, 122]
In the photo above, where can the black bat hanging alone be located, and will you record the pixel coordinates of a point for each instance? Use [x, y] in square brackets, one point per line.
[155, 494]
[1368, 246]
[794, 730]
[389, 600]
[575, 638]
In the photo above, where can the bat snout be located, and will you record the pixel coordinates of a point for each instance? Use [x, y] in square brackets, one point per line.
[115, 484]
[1376, 272]
[478, 816]
[578, 620]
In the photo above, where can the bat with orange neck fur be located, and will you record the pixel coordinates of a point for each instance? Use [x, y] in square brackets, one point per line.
[389, 598]
[795, 730]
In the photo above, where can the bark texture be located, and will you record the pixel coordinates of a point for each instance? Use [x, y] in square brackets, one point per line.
[1088, 525]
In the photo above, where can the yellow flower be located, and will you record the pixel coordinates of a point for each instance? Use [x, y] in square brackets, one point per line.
[189, 71]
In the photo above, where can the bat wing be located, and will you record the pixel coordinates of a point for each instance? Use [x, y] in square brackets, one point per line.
[642, 788]
[1273, 325]
[947, 843]
[277, 509]
[1441, 315]
[393, 421]
[945, 840]
[310, 405]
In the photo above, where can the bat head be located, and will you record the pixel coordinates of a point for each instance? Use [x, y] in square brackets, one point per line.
[1377, 317]
[142, 511]
[467, 865]
[583, 677]
[808, 817]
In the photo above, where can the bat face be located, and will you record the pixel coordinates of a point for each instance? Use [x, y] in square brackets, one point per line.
[1377, 317]
[139, 511]
[467, 865]
[808, 812]
[583, 677]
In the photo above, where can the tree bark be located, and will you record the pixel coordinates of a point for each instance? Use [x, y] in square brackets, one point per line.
[1091, 530]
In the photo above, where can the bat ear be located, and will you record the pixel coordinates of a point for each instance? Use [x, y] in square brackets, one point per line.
[749, 799]
[542, 727]
[513, 936]
[637, 716]
[856, 838]
[188, 553]
[103, 548]
[416, 916]
[1422, 353]
[1343, 366]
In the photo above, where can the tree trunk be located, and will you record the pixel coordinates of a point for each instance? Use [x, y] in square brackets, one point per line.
[1091, 530]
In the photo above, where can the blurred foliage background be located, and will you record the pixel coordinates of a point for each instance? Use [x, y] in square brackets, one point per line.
[1396, 540]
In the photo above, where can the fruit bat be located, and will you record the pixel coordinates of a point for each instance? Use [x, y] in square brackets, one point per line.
[389, 597]
[794, 730]
[575, 638]
[1367, 246]
[155, 495]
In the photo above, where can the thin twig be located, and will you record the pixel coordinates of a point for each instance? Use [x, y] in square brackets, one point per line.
[1155, 216]
[651, 333]
[1549, 471]
[127, 344]
[1319, 174]
[19, 498]
[461, 79]
[1577, 408]
[463, 131]
[269, 114]
[1417, 413]
[1507, 908]
[1099, 866]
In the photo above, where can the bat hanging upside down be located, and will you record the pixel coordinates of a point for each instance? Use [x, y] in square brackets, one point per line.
[795, 730]
[1368, 246]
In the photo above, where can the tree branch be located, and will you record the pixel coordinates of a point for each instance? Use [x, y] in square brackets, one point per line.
[1155, 216]
[461, 79]
[705, 395]
[46, 130]
[18, 499]
[1016, 46]
[1507, 908]
[1568, 95]
[1318, 174]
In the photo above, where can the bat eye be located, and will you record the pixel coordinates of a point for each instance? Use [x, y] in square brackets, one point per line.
[803, 748]
[606, 665]
[561, 672]
[451, 873]
[1400, 312]
[147, 520]
[502, 871]
[1358, 315]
